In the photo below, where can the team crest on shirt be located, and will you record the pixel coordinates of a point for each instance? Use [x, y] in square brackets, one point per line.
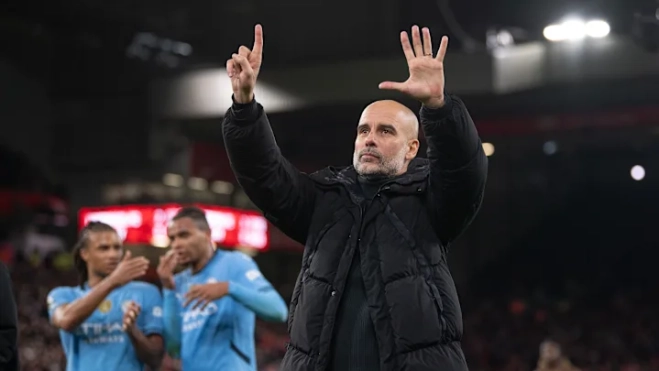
[105, 306]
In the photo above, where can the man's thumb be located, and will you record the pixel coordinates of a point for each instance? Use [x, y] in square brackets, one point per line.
[127, 255]
[390, 85]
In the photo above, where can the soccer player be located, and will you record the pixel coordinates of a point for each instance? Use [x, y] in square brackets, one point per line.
[108, 322]
[210, 307]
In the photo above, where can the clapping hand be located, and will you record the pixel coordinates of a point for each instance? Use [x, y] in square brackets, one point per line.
[426, 81]
[129, 269]
[165, 270]
[131, 312]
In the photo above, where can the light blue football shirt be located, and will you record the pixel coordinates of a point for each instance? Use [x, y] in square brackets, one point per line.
[221, 336]
[99, 343]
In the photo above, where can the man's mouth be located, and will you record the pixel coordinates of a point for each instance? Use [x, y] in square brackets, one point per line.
[369, 157]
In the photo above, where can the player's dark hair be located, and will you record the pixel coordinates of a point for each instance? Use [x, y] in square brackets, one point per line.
[197, 215]
[83, 240]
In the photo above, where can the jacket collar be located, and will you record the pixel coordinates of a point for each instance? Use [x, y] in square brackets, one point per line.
[417, 171]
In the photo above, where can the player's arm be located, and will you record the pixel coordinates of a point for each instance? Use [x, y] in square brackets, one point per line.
[149, 348]
[69, 315]
[171, 305]
[8, 322]
[249, 287]
[284, 194]
[458, 166]
[144, 327]
[172, 323]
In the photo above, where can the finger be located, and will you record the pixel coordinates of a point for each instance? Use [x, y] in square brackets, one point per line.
[390, 85]
[138, 264]
[416, 41]
[257, 49]
[189, 297]
[199, 303]
[127, 256]
[188, 300]
[230, 69]
[244, 51]
[443, 46]
[407, 48]
[173, 262]
[137, 272]
[243, 63]
[427, 42]
[134, 308]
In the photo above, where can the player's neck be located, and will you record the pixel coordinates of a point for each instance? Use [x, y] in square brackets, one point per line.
[94, 280]
[202, 262]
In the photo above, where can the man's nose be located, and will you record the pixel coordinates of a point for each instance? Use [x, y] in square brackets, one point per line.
[370, 140]
[116, 254]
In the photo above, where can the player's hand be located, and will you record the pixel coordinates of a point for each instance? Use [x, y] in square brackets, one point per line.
[243, 68]
[130, 316]
[165, 270]
[426, 81]
[202, 295]
[129, 269]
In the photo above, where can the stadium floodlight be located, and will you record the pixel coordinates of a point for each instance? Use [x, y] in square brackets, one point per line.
[575, 29]
[598, 29]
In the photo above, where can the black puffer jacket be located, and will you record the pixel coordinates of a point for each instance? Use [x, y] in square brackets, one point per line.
[403, 236]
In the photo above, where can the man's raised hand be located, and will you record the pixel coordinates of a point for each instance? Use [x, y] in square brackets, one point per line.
[426, 81]
[129, 269]
[243, 68]
[165, 270]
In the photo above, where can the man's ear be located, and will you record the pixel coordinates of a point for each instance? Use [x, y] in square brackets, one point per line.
[84, 254]
[412, 149]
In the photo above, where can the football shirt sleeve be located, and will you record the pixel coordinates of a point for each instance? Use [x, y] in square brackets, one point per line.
[152, 312]
[249, 287]
[172, 323]
[58, 297]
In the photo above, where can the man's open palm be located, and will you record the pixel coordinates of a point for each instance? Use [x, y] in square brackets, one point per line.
[243, 68]
[426, 81]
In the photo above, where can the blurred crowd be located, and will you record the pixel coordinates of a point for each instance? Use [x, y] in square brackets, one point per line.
[615, 332]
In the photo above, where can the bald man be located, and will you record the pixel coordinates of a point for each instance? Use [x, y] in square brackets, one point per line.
[374, 292]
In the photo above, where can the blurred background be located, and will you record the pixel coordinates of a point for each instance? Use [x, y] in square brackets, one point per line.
[111, 110]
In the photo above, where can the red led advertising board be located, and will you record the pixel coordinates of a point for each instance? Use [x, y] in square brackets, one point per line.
[147, 224]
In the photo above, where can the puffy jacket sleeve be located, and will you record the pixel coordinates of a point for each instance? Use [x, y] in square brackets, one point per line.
[458, 167]
[284, 194]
